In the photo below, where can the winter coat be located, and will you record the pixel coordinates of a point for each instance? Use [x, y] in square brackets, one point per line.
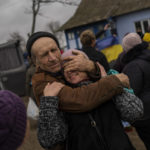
[136, 64]
[119, 64]
[52, 127]
[96, 56]
[100, 128]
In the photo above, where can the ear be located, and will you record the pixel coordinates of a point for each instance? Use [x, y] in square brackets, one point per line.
[93, 43]
[34, 60]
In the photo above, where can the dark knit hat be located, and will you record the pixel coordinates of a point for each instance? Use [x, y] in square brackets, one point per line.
[13, 120]
[38, 35]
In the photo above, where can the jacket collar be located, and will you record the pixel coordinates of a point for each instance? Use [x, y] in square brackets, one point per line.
[135, 52]
[39, 70]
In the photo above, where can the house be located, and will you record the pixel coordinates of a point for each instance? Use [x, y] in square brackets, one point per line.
[127, 16]
[12, 68]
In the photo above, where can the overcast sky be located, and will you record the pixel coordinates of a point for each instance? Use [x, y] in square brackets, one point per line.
[14, 16]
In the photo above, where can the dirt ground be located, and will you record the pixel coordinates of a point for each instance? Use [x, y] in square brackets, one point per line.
[31, 143]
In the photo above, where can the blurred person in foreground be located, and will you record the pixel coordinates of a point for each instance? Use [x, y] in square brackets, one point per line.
[13, 121]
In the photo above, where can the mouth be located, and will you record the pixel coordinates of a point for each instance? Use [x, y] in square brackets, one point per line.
[54, 65]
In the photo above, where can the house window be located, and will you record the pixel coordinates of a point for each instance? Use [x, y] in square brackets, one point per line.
[71, 36]
[100, 28]
[142, 25]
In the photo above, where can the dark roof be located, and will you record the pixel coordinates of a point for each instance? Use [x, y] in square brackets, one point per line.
[90, 11]
[9, 44]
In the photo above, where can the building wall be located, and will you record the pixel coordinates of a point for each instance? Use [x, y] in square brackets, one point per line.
[126, 23]
[72, 36]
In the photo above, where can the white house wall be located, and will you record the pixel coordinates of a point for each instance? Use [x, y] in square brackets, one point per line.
[125, 23]
[72, 43]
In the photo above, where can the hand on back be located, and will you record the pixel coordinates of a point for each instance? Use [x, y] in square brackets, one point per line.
[53, 89]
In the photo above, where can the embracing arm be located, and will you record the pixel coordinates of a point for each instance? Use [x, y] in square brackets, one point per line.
[130, 107]
[87, 97]
[52, 126]
[83, 98]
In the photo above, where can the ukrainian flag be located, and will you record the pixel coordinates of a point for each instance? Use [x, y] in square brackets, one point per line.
[110, 47]
[146, 37]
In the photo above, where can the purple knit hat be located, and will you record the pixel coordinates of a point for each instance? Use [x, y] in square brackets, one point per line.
[13, 121]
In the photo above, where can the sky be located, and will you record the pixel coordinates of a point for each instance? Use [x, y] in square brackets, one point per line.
[15, 17]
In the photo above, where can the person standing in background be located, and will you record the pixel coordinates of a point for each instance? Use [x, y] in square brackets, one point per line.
[88, 41]
[135, 63]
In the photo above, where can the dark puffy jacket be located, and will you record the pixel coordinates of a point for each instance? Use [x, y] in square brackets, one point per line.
[136, 64]
[96, 56]
[100, 129]
[106, 133]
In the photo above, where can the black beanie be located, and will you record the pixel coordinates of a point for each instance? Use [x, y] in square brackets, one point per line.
[36, 36]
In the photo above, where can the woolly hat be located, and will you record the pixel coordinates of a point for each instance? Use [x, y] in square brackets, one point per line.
[13, 121]
[69, 53]
[131, 40]
[36, 36]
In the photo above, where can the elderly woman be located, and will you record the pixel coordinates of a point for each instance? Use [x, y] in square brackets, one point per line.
[135, 62]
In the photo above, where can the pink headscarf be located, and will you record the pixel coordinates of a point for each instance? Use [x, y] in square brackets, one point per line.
[69, 53]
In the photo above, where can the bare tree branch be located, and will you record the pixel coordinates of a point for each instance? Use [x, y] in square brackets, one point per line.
[16, 36]
[59, 1]
[36, 5]
[53, 26]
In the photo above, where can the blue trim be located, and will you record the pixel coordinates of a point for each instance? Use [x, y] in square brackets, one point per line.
[93, 26]
[67, 39]
[76, 39]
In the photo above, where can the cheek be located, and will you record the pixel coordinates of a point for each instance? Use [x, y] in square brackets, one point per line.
[42, 61]
[58, 55]
[66, 76]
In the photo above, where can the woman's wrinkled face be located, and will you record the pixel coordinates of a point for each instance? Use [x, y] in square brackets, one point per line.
[75, 77]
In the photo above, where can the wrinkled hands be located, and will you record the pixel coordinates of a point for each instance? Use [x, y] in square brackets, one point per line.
[53, 89]
[78, 62]
[102, 70]
[124, 79]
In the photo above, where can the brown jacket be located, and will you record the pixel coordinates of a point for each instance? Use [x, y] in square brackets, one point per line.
[79, 99]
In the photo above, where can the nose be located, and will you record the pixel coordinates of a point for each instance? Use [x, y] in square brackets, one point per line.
[51, 56]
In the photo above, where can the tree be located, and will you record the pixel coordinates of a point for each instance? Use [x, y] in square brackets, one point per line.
[16, 36]
[53, 26]
[36, 5]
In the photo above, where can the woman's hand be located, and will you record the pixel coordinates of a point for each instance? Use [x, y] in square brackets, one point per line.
[103, 72]
[53, 89]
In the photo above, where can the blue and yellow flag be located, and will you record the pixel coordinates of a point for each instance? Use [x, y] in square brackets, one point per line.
[110, 47]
